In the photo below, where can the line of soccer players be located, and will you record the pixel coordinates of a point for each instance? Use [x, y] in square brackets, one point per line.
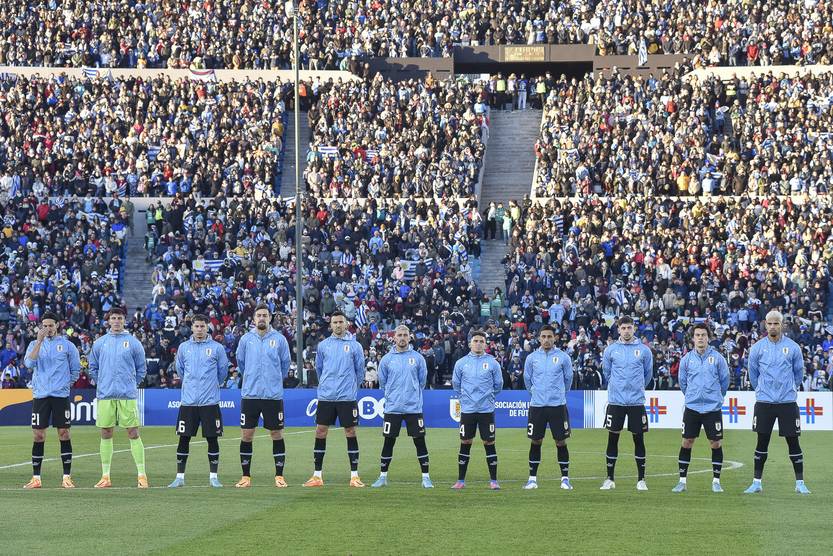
[117, 365]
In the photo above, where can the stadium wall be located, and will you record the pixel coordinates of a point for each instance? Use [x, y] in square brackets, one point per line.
[158, 407]
[10, 72]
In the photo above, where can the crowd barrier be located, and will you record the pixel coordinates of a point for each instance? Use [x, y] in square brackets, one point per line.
[441, 409]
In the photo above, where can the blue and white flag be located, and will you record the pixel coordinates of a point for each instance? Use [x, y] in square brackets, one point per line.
[643, 52]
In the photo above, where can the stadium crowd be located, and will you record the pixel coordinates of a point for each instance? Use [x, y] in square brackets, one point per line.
[379, 138]
[761, 135]
[258, 35]
[64, 256]
[134, 136]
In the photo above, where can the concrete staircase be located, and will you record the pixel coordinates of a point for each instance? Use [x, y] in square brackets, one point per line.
[509, 168]
[137, 285]
[288, 177]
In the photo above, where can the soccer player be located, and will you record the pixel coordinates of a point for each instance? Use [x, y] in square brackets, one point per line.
[202, 365]
[402, 376]
[476, 381]
[776, 369]
[704, 380]
[118, 366]
[548, 374]
[55, 365]
[339, 361]
[628, 367]
[263, 360]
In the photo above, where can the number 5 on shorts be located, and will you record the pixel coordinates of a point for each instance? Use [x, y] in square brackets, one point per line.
[608, 421]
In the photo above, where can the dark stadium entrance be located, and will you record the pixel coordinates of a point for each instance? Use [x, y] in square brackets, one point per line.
[530, 69]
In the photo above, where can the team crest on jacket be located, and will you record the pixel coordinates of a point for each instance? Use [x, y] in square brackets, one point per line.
[710, 360]
[59, 348]
[208, 352]
[272, 343]
[786, 351]
[485, 366]
[126, 344]
[555, 359]
[346, 348]
[411, 361]
[454, 409]
[637, 353]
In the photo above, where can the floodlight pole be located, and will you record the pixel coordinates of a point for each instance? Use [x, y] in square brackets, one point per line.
[299, 202]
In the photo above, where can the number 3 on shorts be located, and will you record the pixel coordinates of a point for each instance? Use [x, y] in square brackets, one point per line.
[529, 428]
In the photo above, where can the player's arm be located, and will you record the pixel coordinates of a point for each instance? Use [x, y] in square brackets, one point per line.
[456, 377]
[682, 374]
[383, 371]
[423, 371]
[607, 363]
[319, 359]
[798, 366]
[497, 376]
[240, 355]
[139, 361]
[754, 372]
[723, 372]
[92, 362]
[283, 353]
[358, 363]
[567, 368]
[529, 374]
[222, 364]
[74, 363]
[648, 366]
[179, 361]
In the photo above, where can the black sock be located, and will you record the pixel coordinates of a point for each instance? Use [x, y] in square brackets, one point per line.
[387, 453]
[612, 453]
[717, 461]
[761, 454]
[491, 461]
[37, 458]
[684, 460]
[279, 453]
[422, 453]
[182, 451]
[213, 454]
[66, 455]
[463, 462]
[246, 458]
[353, 452]
[534, 459]
[318, 453]
[639, 454]
[564, 460]
[796, 456]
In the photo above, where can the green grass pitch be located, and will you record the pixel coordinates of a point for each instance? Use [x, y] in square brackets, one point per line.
[404, 518]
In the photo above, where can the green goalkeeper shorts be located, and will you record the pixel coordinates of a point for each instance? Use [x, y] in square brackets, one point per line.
[112, 413]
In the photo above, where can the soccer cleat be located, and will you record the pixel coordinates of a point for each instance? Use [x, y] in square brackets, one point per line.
[641, 485]
[426, 482]
[494, 485]
[244, 482]
[214, 482]
[355, 482]
[681, 487]
[280, 482]
[754, 488]
[314, 482]
[380, 482]
[33, 483]
[459, 485]
[716, 487]
[142, 481]
[177, 483]
[531, 485]
[801, 488]
[608, 485]
[66, 482]
[565, 484]
[104, 482]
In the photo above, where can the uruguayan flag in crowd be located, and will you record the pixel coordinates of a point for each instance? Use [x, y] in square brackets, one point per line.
[90, 73]
[361, 315]
[212, 265]
[370, 154]
[643, 52]
[203, 75]
[153, 151]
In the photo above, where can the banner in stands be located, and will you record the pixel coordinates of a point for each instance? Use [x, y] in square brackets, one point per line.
[441, 408]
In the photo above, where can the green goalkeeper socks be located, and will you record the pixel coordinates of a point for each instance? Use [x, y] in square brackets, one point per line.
[106, 455]
[137, 448]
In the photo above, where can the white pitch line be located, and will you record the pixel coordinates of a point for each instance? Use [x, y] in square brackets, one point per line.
[79, 456]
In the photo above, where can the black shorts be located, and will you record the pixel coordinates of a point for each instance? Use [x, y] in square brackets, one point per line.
[555, 416]
[637, 418]
[191, 417]
[252, 409]
[346, 412]
[712, 423]
[470, 422]
[414, 423]
[788, 415]
[51, 407]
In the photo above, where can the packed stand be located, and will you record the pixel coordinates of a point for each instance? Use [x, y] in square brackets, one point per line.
[258, 35]
[132, 136]
[379, 138]
[670, 263]
[380, 262]
[65, 256]
[620, 135]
